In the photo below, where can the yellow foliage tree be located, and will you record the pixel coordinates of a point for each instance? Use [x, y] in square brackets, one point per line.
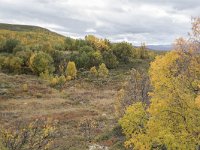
[133, 124]
[97, 43]
[174, 113]
[176, 124]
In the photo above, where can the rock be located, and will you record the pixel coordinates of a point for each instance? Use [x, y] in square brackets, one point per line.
[97, 147]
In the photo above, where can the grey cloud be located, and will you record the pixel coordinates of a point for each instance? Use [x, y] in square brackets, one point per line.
[151, 21]
[176, 4]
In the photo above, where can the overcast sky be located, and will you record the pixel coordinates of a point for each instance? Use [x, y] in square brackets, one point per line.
[136, 21]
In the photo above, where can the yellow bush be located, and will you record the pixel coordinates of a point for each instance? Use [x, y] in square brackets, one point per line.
[68, 78]
[54, 81]
[61, 80]
[93, 71]
[58, 81]
[103, 71]
[25, 87]
[45, 75]
[71, 69]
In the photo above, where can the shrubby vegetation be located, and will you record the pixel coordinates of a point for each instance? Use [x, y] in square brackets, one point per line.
[136, 89]
[58, 81]
[10, 45]
[39, 134]
[34, 52]
[41, 62]
[57, 60]
[11, 64]
[171, 120]
[123, 51]
[93, 71]
[103, 71]
[71, 70]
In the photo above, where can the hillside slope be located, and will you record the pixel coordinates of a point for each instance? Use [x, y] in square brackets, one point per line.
[26, 28]
[31, 36]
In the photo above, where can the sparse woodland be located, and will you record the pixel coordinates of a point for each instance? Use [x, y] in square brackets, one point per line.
[62, 93]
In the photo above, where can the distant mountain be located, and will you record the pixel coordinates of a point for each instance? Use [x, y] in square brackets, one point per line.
[26, 28]
[160, 47]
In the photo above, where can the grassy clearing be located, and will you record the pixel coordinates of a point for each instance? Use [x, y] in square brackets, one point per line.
[80, 99]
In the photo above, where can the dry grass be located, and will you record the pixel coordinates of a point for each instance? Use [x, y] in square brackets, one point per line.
[78, 100]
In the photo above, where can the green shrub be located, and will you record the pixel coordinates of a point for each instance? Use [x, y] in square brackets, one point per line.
[25, 56]
[83, 60]
[95, 58]
[10, 44]
[86, 49]
[59, 58]
[47, 47]
[79, 43]
[19, 48]
[110, 59]
[12, 64]
[40, 62]
[143, 52]
[69, 44]
[123, 51]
